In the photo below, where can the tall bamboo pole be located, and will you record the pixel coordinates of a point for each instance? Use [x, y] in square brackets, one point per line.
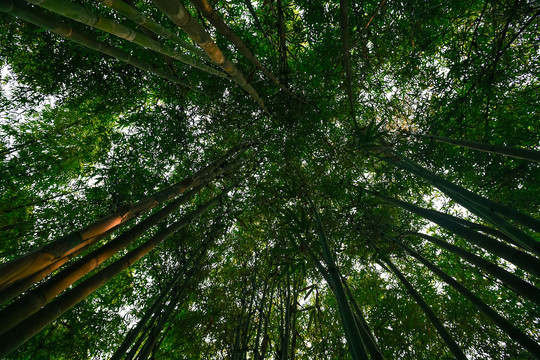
[35, 261]
[18, 9]
[452, 190]
[441, 330]
[510, 329]
[352, 333]
[181, 17]
[519, 258]
[515, 152]
[33, 301]
[206, 9]
[34, 324]
[527, 290]
[140, 19]
[79, 13]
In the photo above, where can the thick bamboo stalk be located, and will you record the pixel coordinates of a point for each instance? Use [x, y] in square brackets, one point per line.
[352, 334]
[518, 236]
[510, 329]
[140, 19]
[515, 152]
[33, 301]
[521, 286]
[79, 13]
[483, 228]
[475, 203]
[35, 261]
[521, 259]
[181, 17]
[18, 9]
[441, 330]
[25, 330]
[20, 286]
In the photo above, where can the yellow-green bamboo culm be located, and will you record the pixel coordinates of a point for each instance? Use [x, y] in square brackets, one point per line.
[34, 324]
[37, 17]
[181, 17]
[33, 262]
[79, 13]
[140, 19]
[206, 9]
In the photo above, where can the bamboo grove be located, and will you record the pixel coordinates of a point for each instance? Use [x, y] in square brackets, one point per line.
[277, 179]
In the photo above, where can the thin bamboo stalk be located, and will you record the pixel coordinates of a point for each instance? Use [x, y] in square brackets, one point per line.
[510, 329]
[181, 17]
[34, 324]
[515, 152]
[441, 330]
[344, 24]
[352, 334]
[521, 286]
[140, 19]
[79, 13]
[521, 259]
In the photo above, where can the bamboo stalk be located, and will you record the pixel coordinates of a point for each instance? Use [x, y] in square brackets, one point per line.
[354, 339]
[25, 330]
[521, 286]
[181, 17]
[365, 331]
[515, 152]
[41, 19]
[140, 19]
[344, 24]
[206, 9]
[510, 329]
[28, 264]
[521, 259]
[79, 13]
[450, 189]
[32, 302]
[441, 330]
[158, 303]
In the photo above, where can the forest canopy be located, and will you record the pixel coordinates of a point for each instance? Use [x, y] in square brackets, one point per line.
[277, 179]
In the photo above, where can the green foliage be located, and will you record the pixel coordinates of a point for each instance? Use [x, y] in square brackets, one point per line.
[82, 134]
